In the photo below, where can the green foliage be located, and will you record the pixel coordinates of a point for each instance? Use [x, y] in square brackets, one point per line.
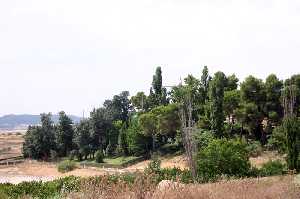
[160, 121]
[64, 134]
[249, 116]
[278, 140]
[254, 148]
[174, 174]
[66, 166]
[223, 157]
[82, 138]
[202, 138]
[159, 96]
[231, 83]
[231, 102]
[140, 101]
[272, 107]
[42, 190]
[291, 126]
[204, 80]
[40, 140]
[99, 156]
[216, 98]
[272, 168]
[138, 142]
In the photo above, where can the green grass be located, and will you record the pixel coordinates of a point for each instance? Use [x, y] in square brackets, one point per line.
[113, 162]
[119, 160]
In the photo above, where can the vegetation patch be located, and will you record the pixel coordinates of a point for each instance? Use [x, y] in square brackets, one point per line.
[66, 166]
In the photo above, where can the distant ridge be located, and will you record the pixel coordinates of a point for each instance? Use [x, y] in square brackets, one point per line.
[10, 122]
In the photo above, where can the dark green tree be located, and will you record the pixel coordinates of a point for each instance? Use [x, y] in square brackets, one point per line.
[216, 103]
[40, 140]
[205, 79]
[159, 92]
[253, 96]
[291, 126]
[64, 134]
[273, 108]
[83, 139]
[100, 124]
[48, 137]
[231, 83]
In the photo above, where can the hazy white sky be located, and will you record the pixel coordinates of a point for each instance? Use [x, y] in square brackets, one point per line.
[72, 54]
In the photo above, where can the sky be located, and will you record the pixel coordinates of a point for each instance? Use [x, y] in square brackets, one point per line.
[71, 55]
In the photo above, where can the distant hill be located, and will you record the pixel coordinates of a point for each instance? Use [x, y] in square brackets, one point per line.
[10, 122]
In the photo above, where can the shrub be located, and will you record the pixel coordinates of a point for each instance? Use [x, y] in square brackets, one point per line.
[66, 166]
[159, 174]
[254, 149]
[273, 168]
[40, 189]
[278, 140]
[203, 138]
[223, 157]
[153, 166]
[99, 156]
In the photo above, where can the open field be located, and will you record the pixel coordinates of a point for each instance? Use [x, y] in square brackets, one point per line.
[10, 144]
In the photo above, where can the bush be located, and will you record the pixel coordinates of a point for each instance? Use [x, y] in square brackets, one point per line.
[40, 189]
[160, 174]
[254, 149]
[153, 166]
[273, 168]
[99, 156]
[223, 157]
[66, 166]
[278, 140]
[203, 138]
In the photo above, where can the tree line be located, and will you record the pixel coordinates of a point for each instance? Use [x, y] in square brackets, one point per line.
[138, 125]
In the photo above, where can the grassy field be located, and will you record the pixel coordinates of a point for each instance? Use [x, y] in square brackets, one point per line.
[10, 145]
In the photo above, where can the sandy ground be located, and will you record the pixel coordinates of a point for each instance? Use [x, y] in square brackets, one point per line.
[32, 170]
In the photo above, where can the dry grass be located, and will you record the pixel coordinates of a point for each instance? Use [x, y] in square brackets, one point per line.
[10, 145]
[266, 188]
[265, 157]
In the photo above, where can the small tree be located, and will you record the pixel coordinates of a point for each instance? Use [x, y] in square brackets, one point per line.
[99, 156]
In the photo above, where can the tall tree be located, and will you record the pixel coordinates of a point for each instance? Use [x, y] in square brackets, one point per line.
[253, 96]
[82, 138]
[160, 92]
[100, 123]
[40, 140]
[205, 78]
[48, 137]
[216, 103]
[64, 134]
[273, 108]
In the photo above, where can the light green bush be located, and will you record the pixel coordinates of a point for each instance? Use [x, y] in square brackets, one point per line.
[66, 166]
[223, 157]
